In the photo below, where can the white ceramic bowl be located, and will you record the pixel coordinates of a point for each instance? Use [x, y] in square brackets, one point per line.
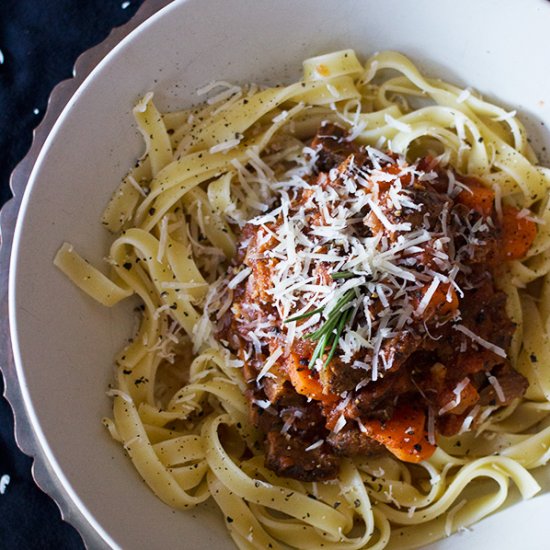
[63, 343]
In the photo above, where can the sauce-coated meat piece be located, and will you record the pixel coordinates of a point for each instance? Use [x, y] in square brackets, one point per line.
[287, 457]
[512, 385]
[332, 147]
[350, 441]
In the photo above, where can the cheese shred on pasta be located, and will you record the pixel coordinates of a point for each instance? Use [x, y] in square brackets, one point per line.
[208, 170]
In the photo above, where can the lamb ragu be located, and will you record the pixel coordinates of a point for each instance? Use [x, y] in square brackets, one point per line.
[366, 310]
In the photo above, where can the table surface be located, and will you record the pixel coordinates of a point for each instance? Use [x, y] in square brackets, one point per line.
[39, 43]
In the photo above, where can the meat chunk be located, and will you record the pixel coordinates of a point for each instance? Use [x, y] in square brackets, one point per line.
[259, 282]
[427, 215]
[399, 348]
[513, 385]
[350, 441]
[287, 457]
[375, 400]
[482, 311]
[278, 390]
[304, 420]
[331, 147]
[263, 418]
[485, 250]
[338, 377]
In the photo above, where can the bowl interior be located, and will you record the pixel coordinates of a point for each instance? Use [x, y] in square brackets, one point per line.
[64, 342]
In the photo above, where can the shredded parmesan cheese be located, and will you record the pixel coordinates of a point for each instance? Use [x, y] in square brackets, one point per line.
[340, 423]
[315, 445]
[225, 146]
[271, 360]
[427, 297]
[483, 343]
[239, 277]
[497, 387]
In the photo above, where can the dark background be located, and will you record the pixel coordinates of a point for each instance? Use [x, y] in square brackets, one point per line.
[40, 41]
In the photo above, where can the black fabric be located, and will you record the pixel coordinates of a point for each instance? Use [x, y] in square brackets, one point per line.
[40, 41]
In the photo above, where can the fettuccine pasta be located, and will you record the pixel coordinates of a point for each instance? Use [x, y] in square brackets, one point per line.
[179, 406]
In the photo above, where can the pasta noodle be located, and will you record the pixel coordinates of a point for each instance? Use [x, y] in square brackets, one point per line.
[179, 407]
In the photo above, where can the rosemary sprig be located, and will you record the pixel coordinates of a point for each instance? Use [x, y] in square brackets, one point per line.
[331, 330]
[341, 324]
[328, 335]
[335, 276]
[333, 317]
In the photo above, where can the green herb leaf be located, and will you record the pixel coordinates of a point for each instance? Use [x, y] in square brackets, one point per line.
[328, 334]
[343, 275]
[341, 324]
[331, 330]
[318, 351]
[304, 315]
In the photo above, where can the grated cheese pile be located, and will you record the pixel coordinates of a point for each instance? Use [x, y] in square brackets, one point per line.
[356, 220]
